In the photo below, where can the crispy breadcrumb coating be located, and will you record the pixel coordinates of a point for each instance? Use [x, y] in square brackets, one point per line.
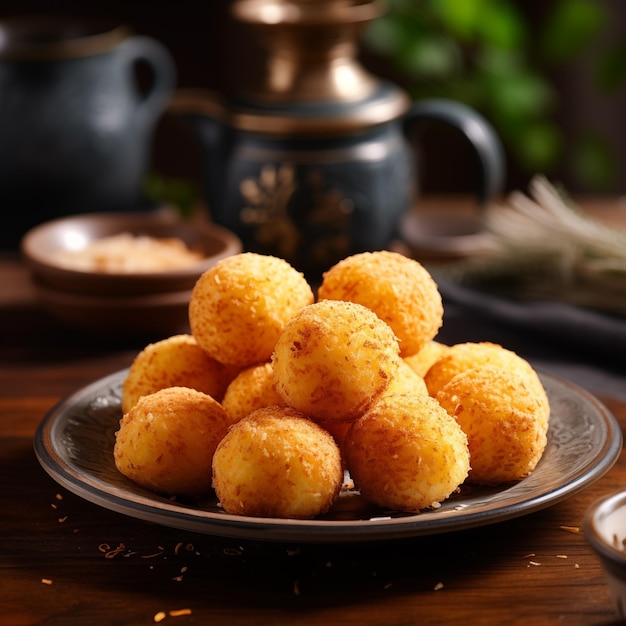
[398, 289]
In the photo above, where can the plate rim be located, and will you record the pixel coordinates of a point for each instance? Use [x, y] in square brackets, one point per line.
[160, 510]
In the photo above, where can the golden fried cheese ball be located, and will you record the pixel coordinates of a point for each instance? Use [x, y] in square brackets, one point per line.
[463, 356]
[423, 360]
[505, 416]
[332, 359]
[177, 361]
[406, 453]
[276, 463]
[239, 307]
[406, 380]
[166, 441]
[252, 389]
[398, 289]
[338, 430]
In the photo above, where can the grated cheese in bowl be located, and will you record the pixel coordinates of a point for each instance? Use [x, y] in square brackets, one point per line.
[127, 253]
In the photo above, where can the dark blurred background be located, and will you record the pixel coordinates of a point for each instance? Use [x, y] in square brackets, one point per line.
[550, 76]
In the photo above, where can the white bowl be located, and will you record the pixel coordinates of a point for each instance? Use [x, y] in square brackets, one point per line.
[605, 529]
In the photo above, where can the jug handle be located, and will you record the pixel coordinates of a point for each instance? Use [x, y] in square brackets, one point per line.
[157, 58]
[476, 129]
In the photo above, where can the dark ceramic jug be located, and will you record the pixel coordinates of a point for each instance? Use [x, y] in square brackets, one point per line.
[314, 161]
[75, 123]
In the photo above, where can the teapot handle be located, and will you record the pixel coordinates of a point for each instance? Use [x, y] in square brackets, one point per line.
[148, 51]
[478, 131]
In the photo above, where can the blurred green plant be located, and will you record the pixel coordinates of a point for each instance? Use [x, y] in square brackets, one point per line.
[486, 54]
[181, 194]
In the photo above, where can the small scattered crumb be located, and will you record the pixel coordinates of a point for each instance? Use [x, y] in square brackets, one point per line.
[159, 617]
[561, 556]
[527, 556]
[189, 547]
[46, 581]
[62, 519]
[153, 555]
[534, 563]
[111, 554]
[570, 529]
[160, 551]
[179, 578]
[438, 586]
[59, 496]
[180, 612]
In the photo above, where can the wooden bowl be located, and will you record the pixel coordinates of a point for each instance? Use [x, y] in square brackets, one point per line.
[41, 246]
[147, 315]
[142, 303]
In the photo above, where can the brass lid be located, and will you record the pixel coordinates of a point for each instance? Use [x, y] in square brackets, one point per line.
[306, 11]
[319, 118]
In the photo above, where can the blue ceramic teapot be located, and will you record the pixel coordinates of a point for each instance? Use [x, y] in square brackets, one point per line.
[314, 161]
[75, 126]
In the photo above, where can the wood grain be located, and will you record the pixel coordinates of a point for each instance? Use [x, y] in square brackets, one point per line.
[66, 561]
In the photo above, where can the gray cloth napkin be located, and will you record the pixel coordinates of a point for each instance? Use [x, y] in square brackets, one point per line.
[585, 346]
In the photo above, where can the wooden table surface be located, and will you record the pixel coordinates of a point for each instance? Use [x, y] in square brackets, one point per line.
[66, 561]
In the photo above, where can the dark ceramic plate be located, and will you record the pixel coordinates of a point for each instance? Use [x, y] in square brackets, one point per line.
[74, 444]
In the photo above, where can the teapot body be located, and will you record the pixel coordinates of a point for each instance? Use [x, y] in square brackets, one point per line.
[313, 200]
[75, 130]
[313, 159]
[316, 197]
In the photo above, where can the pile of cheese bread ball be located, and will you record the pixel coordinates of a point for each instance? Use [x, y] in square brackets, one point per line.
[277, 395]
